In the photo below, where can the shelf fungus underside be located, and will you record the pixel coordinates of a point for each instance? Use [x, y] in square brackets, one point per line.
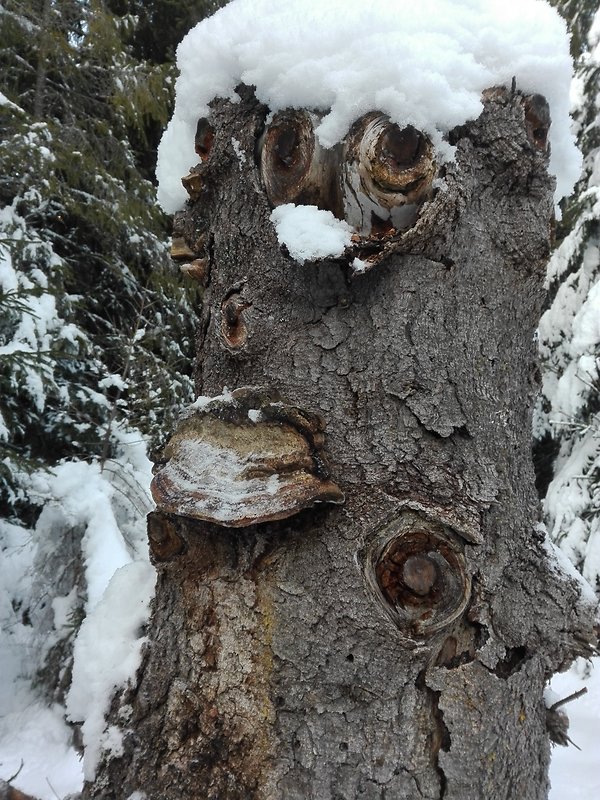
[244, 459]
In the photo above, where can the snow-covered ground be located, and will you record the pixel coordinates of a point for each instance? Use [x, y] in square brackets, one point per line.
[575, 774]
[34, 745]
[106, 509]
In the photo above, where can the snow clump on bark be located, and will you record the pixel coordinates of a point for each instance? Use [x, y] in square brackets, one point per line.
[310, 233]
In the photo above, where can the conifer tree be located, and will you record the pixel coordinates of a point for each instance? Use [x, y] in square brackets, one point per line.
[96, 323]
[567, 427]
[97, 327]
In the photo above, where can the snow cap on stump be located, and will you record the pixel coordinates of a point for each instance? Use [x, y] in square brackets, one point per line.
[424, 65]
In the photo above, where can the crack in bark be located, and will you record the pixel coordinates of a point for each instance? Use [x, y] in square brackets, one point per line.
[439, 736]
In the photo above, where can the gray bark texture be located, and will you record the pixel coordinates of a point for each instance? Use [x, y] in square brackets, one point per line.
[395, 646]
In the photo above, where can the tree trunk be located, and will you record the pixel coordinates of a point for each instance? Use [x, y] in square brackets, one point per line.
[395, 645]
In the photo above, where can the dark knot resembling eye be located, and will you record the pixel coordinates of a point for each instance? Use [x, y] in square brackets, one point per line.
[376, 179]
[287, 153]
[388, 174]
[392, 160]
[418, 571]
[392, 152]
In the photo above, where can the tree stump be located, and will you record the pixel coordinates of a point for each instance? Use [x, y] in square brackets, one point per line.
[388, 633]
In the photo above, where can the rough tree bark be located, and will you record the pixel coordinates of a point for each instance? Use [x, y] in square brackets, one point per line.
[396, 644]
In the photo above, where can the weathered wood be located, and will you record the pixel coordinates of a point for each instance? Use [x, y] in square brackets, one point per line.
[294, 166]
[396, 646]
[388, 174]
[180, 249]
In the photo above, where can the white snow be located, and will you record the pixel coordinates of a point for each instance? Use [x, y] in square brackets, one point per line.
[310, 233]
[569, 344]
[237, 149]
[107, 655]
[574, 774]
[569, 332]
[4, 101]
[113, 380]
[38, 326]
[561, 564]
[424, 64]
[358, 265]
[203, 402]
[37, 736]
[110, 506]
[83, 496]
[4, 432]
[31, 732]
[63, 607]
[594, 36]
[571, 494]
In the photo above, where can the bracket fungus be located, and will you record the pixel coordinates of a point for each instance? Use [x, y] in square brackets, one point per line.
[242, 458]
[180, 249]
[418, 570]
[193, 182]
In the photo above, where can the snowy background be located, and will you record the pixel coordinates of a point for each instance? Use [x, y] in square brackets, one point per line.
[96, 334]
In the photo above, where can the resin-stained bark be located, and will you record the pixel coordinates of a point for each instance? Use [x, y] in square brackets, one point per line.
[395, 646]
